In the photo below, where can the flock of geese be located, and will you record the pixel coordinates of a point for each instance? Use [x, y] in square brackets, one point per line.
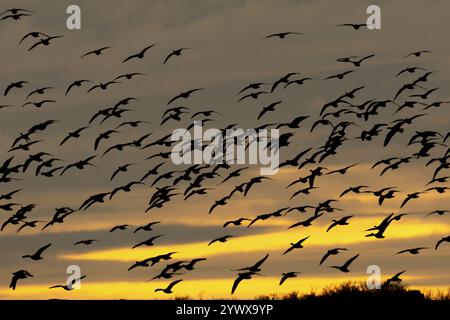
[337, 116]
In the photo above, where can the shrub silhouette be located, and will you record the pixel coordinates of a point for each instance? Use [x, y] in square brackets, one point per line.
[358, 291]
[354, 292]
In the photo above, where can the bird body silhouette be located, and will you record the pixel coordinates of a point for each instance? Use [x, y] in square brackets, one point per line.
[18, 275]
[296, 245]
[168, 289]
[288, 275]
[38, 254]
[344, 267]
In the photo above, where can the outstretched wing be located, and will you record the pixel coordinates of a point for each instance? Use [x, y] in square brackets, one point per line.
[168, 57]
[236, 283]
[349, 261]
[260, 262]
[172, 284]
[326, 255]
[41, 250]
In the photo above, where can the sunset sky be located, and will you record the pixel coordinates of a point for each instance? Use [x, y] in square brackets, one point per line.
[227, 52]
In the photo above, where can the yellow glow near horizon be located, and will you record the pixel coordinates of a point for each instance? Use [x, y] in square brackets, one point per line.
[194, 289]
[270, 241]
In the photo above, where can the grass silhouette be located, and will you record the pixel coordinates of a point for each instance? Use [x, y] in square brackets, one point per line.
[353, 291]
[358, 291]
